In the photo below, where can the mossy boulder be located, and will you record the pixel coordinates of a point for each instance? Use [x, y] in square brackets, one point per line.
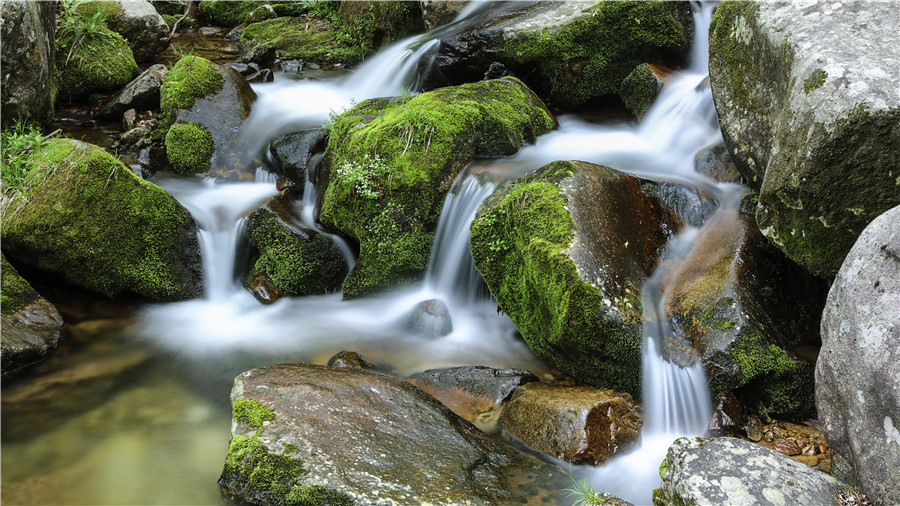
[373, 25]
[639, 89]
[32, 327]
[314, 39]
[571, 52]
[203, 106]
[27, 54]
[565, 251]
[89, 218]
[294, 259]
[98, 62]
[137, 21]
[390, 163]
[310, 434]
[228, 13]
[811, 121]
[749, 314]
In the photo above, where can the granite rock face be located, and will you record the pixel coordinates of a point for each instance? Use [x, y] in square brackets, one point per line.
[858, 371]
[812, 121]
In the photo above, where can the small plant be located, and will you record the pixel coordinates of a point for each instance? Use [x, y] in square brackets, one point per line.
[15, 143]
[369, 176]
[416, 127]
[322, 9]
[585, 494]
[80, 26]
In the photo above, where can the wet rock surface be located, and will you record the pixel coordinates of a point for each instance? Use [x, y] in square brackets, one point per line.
[369, 438]
[431, 317]
[735, 472]
[141, 94]
[350, 359]
[26, 56]
[812, 122]
[142, 26]
[565, 251]
[858, 371]
[579, 424]
[295, 151]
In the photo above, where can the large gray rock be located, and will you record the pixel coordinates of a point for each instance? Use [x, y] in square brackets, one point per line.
[142, 26]
[811, 120]
[570, 52]
[565, 250]
[26, 56]
[734, 472]
[858, 371]
[141, 94]
[344, 433]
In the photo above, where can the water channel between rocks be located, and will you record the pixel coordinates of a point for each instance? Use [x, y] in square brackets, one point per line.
[144, 414]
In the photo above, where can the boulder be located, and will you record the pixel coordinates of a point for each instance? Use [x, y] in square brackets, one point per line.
[32, 327]
[345, 435]
[89, 218]
[579, 424]
[97, 62]
[227, 13]
[141, 94]
[210, 102]
[440, 12]
[291, 257]
[858, 371]
[310, 39]
[750, 313]
[294, 152]
[27, 30]
[639, 89]
[571, 52]
[374, 24]
[472, 392]
[137, 21]
[811, 121]
[730, 471]
[565, 251]
[390, 163]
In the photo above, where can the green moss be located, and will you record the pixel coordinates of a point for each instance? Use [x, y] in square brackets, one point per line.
[101, 61]
[107, 7]
[92, 219]
[251, 413]
[190, 77]
[605, 47]
[297, 38]
[189, 147]
[422, 144]
[373, 25]
[298, 262]
[260, 476]
[15, 292]
[640, 89]
[663, 466]
[814, 81]
[517, 244]
[228, 13]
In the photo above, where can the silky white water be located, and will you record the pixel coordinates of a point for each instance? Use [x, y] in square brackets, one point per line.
[230, 326]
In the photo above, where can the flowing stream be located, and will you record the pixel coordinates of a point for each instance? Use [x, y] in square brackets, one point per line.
[202, 344]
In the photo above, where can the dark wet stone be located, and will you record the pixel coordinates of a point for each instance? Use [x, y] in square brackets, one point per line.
[580, 424]
[263, 76]
[431, 317]
[291, 65]
[716, 164]
[350, 359]
[471, 391]
[294, 152]
[264, 290]
[26, 57]
[726, 416]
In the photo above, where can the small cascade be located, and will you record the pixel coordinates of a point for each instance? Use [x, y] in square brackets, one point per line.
[451, 270]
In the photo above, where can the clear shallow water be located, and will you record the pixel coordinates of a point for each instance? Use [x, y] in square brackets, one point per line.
[159, 435]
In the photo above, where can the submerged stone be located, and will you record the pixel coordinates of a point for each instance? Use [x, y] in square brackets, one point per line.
[390, 163]
[348, 435]
[565, 251]
[90, 219]
[812, 122]
[431, 317]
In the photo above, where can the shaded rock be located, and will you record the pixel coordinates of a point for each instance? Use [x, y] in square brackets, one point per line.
[390, 163]
[733, 471]
[472, 392]
[374, 24]
[245, 69]
[264, 290]
[805, 442]
[291, 66]
[101, 61]
[350, 359]
[639, 89]
[294, 151]
[716, 164]
[89, 218]
[727, 415]
[226, 13]
[306, 38]
[143, 93]
[858, 371]
[431, 317]
[570, 52]
[565, 251]
[32, 327]
[26, 56]
[580, 424]
[263, 76]
[292, 258]
[138, 22]
[345, 434]
[750, 313]
[810, 125]
[440, 12]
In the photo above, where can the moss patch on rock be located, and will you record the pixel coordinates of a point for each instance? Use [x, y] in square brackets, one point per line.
[251, 413]
[639, 89]
[228, 13]
[15, 292]
[391, 162]
[189, 147]
[591, 56]
[91, 219]
[373, 25]
[316, 40]
[190, 77]
[100, 61]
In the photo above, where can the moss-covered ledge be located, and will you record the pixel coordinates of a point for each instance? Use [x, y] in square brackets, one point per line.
[390, 163]
[89, 218]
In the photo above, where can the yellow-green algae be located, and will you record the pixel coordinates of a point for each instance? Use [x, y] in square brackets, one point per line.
[90, 218]
[421, 143]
